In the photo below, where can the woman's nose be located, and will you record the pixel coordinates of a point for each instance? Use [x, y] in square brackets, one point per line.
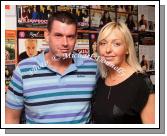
[108, 48]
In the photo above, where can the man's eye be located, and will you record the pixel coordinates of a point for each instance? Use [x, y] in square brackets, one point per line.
[71, 37]
[58, 36]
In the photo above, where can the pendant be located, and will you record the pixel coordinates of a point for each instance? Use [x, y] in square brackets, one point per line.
[108, 97]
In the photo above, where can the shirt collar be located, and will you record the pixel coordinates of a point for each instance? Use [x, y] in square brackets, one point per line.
[78, 59]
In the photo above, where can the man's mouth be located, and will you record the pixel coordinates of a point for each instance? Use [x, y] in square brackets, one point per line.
[64, 50]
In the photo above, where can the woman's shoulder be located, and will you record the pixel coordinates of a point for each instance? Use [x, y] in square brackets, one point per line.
[140, 77]
[144, 80]
[100, 80]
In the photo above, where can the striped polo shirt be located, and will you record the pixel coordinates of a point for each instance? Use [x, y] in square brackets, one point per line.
[50, 97]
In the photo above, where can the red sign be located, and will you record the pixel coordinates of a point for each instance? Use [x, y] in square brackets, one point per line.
[7, 7]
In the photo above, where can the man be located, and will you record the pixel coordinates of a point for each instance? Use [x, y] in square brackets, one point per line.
[31, 49]
[53, 89]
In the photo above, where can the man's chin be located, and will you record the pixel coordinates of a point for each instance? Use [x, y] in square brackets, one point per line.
[61, 56]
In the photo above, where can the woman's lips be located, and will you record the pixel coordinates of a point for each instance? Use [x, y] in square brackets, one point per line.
[109, 58]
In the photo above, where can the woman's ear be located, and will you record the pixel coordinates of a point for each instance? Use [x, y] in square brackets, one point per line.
[126, 50]
[46, 35]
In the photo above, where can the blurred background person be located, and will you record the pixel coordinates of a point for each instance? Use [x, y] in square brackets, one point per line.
[130, 22]
[105, 18]
[143, 23]
[144, 63]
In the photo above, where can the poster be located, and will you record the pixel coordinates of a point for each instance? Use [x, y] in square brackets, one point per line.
[81, 12]
[146, 18]
[131, 22]
[121, 17]
[93, 44]
[82, 17]
[82, 44]
[148, 51]
[95, 16]
[108, 7]
[10, 10]
[10, 47]
[99, 18]
[34, 15]
[103, 7]
[147, 38]
[127, 9]
[135, 37]
[30, 43]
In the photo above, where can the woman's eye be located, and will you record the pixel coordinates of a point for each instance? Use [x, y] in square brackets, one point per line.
[103, 44]
[116, 44]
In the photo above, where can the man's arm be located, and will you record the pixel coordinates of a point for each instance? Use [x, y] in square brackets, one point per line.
[12, 116]
[14, 100]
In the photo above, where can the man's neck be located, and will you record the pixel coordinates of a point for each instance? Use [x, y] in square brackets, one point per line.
[59, 64]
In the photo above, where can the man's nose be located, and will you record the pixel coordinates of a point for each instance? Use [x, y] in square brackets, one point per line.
[65, 41]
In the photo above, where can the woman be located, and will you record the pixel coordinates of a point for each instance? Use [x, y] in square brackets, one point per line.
[120, 97]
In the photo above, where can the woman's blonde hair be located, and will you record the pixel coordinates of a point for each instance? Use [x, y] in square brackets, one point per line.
[131, 58]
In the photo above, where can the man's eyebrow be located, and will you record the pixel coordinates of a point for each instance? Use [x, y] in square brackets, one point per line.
[71, 35]
[56, 33]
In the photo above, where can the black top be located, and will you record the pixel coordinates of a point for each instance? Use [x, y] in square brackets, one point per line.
[121, 103]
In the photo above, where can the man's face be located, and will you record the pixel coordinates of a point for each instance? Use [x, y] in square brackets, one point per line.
[61, 38]
[31, 48]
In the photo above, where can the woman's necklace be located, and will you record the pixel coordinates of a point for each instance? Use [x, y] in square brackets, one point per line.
[108, 97]
[110, 87]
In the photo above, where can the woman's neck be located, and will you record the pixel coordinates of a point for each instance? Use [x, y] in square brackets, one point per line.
[114, 77]
[126, 71]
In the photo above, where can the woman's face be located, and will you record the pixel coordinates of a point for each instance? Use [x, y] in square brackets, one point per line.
[113, 48]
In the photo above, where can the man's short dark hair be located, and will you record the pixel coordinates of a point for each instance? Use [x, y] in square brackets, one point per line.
[62, 16]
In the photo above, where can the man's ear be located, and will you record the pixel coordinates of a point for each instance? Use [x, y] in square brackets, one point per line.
[46, 35]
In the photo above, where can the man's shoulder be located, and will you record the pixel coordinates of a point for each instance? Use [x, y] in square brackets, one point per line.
[86, 59]
[89, 60]
[29, 61]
